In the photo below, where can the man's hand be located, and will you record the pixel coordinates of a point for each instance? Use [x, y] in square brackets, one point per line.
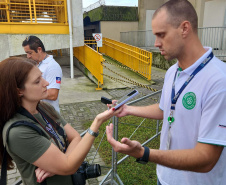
[132, 148]
[41, 175]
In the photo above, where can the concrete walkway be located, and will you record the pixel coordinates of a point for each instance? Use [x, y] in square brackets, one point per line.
[80, 102]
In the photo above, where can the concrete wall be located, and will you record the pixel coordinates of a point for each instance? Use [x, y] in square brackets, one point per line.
[112, 29]
[215, 16]
[11, 44]
[214, 13]
[77, 21]
[201, 6]
[144, 5]
[149, 15]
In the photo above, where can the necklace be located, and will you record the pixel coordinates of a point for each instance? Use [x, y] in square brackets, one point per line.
[43, 60]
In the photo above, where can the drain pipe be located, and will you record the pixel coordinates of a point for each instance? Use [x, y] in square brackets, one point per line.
[70, 33]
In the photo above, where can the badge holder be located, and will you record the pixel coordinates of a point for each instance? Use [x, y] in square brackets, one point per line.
[170, 121]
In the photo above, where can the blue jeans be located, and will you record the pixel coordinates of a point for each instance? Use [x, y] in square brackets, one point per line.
[158, 183]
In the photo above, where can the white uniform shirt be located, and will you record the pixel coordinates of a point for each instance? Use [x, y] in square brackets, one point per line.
[52, 72]
[200, 116]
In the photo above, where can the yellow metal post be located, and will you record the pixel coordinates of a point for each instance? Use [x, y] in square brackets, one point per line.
[34, 11]
[7, 11]
[29, 2]
[65, 11]
[149, 69]
[98, 88]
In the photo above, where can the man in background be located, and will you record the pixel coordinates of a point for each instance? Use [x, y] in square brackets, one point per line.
[51, 70]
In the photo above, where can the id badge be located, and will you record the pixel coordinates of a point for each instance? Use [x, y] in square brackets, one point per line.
[170, 120]
[168, 140]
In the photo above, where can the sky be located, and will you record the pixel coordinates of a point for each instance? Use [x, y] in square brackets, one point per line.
[86, 3]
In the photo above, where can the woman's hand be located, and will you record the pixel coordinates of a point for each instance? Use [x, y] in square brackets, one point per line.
[104, 116]
[41, 175]
[113, 104]
[122, 111]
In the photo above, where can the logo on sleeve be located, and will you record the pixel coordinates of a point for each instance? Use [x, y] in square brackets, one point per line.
[189, 100]
[58, 80]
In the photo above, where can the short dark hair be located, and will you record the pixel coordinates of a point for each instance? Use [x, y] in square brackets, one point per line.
[33, 42]
[179, 11]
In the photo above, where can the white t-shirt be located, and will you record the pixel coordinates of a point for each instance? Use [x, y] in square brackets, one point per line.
[52, 72]
[200, 116]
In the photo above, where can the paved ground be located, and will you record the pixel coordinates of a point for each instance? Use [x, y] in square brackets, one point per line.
[80, 102]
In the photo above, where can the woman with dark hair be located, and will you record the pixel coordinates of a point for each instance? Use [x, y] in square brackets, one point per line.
[51, 157]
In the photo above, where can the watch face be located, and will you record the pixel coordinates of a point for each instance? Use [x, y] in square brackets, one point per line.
[95, 134]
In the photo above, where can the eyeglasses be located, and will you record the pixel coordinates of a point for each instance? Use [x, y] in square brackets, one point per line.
[27, 38]
[34, 40]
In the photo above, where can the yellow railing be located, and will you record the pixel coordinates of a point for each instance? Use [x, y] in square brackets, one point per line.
[133, 57]
[92, 60]
[91, 42]
[33, 11]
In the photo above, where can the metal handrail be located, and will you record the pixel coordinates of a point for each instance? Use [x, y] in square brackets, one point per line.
[214, 37]
[133, 57]
[12, 12]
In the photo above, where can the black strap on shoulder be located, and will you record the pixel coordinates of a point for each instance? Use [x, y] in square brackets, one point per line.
[24, 112]
[57, 127]
[4, 160]
[60, 131]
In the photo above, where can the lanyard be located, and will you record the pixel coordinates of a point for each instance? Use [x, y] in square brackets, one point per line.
[50, 129]
[43, 60]
[174, 97]
[56, 127]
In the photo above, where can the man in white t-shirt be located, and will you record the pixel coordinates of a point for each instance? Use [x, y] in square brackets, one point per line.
[51, 70]
[192, 106]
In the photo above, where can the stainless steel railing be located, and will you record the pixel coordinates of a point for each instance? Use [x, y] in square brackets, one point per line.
[214, 37]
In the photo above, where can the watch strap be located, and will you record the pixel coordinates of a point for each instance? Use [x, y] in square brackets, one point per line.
[145, 157]
[92, 133]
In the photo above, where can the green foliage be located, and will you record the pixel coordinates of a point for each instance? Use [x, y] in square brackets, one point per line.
[112, 13]
[160, 62]
[130, 172]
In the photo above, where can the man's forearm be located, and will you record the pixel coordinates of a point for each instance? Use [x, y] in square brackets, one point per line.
[200, 159]
[151, 111]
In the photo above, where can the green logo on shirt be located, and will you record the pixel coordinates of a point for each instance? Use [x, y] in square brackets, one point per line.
[189, 100]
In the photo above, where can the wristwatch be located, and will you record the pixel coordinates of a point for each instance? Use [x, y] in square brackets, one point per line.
[145, 157]
[95, 134]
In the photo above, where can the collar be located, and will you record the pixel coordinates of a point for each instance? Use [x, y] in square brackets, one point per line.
[45, 59]
[190, 69]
